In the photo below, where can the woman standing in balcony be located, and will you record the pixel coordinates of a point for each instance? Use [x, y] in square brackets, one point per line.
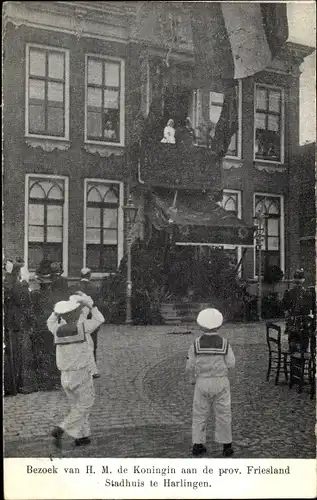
[169, 133]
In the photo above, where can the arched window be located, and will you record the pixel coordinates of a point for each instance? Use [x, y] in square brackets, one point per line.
[102, 226]
[270, 207]
[230, 202]
[45, 220]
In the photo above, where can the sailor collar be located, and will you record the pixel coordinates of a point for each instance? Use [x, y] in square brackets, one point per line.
[211, 344]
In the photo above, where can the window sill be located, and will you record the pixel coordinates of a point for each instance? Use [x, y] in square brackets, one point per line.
[105, 143]
[269, 166]
[229, 157]
[48, 144]
[271, 161]
[229, 162]
[101, 275]
[307, 238]
[104, 149]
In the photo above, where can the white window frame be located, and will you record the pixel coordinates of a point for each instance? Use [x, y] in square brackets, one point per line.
[122, 100]
[282, 132]
[239, 215]
[145, 86]
[239, 198]
[120, 242]
[197, 103]
[65, 216]
[282, 231]
[67, 79]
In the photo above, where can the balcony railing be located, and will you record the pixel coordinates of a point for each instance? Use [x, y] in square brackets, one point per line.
[183, 166]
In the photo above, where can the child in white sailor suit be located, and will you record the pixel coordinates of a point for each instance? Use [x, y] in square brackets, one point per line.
[208, 361]
[74, 358]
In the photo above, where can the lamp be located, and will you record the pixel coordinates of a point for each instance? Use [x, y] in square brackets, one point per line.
[130, 211]
[259, 236]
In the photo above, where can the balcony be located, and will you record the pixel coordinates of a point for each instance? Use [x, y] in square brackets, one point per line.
[182, 166]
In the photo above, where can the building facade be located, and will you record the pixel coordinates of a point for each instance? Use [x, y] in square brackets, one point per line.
[302, 194]
[75, 77]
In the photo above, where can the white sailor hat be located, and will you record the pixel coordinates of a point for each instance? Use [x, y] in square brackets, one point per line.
[82, 299]
[210, 319]
[66, 306]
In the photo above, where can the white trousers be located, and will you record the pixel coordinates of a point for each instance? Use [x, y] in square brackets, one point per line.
[93, 366]
[79, 388]
[213, 392]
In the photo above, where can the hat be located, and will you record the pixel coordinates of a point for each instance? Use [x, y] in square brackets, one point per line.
[44, 269]
[299, 274]
[85, 271]
[65, 306]
[210, 319]
[82, 299]
[56, 268]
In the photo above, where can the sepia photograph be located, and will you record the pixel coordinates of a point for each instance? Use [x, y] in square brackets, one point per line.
[159, 241]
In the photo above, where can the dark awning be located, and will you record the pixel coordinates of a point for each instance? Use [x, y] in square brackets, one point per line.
[199, 219]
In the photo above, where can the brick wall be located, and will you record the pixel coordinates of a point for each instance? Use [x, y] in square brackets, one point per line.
[78, 164]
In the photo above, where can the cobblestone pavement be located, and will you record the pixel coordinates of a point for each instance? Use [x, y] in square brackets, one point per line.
[143, 402]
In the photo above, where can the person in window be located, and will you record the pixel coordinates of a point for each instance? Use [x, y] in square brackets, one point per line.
[297, 306]
[169, 133]
[186, 134]
[210, 134]
[109, 132]
[271, 151]
[259, 147]
[190, 129]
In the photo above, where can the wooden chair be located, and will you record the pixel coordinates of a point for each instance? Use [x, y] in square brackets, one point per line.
[277, 355]
[303, 368]
[300, 369]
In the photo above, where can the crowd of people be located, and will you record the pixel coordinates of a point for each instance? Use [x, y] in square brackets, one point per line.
[51, 334]
[29, 351]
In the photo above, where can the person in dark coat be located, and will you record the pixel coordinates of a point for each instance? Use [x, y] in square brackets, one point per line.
[59, 284]
[90, 289]
[19, 375]
[52, 288]
[297, 307]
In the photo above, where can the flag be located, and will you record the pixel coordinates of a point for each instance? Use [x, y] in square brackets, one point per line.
[231, 41]
[235, 40]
